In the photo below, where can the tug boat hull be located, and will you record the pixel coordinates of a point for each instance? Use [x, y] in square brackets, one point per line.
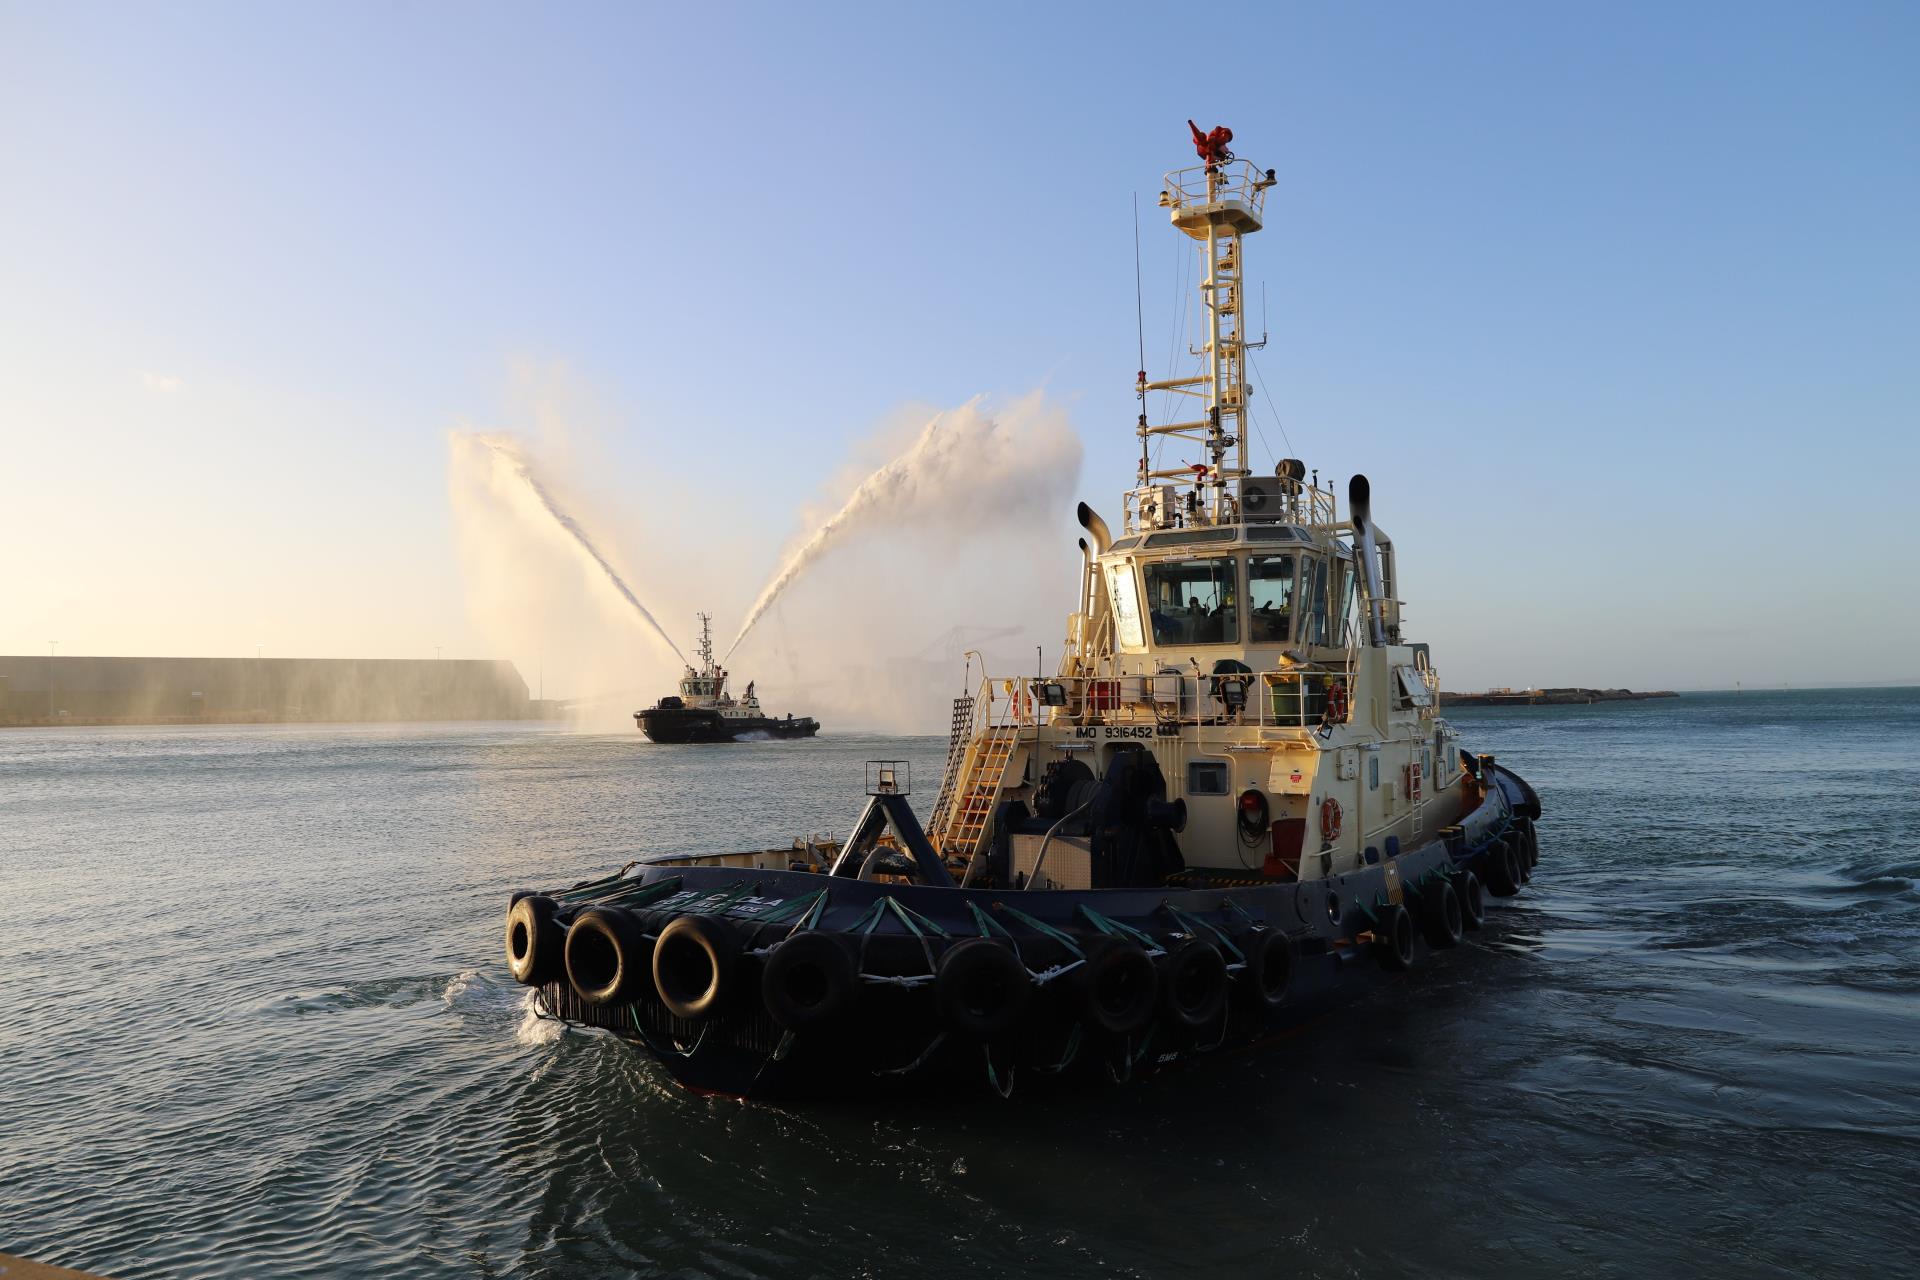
[692, 724]
[703, 710]
[908, 1023]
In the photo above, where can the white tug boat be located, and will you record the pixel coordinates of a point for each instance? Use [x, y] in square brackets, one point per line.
[1236, 803]
[703, 710]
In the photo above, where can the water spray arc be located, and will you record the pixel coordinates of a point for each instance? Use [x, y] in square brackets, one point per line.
[505, 452]
[1021, 459]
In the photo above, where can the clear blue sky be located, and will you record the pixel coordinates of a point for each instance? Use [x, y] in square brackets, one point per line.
[1619, 305]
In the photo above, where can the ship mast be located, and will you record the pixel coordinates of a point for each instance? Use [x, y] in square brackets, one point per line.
[1217, 203]
[706, 642]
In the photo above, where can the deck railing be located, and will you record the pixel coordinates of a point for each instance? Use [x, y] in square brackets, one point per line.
[1237, 180]
[1294, 698]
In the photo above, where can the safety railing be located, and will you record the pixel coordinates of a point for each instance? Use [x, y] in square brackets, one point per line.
[1294, 698]
[1235, 180]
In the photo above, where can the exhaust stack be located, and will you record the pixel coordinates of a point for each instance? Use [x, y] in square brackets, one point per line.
[1360, 504]
[1102, 536]
[1086, 577]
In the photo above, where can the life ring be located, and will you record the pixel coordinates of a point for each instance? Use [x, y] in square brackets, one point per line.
[1329, 819]
[1338, 705]
[1019, 698]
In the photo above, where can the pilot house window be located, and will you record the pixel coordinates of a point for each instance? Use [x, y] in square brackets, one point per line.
[1191, 601]
[1270, 596]
[1313, 601]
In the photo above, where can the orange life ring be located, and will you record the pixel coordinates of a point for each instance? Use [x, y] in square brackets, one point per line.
[1337, 705]
[1329, 819]
[1018, 699]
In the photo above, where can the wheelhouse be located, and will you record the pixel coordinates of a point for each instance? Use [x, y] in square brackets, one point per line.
[1181, 591]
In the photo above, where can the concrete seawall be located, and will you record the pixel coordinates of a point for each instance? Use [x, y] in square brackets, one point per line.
[41, 690]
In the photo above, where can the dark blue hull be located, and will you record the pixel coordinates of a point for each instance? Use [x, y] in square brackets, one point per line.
[693, 724]
[904, 1024]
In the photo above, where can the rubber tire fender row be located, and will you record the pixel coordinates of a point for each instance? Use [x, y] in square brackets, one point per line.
[1267, 979]
[1117, 985]
[982, 988]
[1473, 901]
[1393, 935]
[1441, 917]
[536, 940]
[695, 966]
[1193, 984]
[607, 956]
[809, 980]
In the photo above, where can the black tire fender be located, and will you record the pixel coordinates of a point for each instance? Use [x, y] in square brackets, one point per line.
[1193, 984]
[694, 966]
[1117, 985]
[1473, 901]
[982, 988]
[1441, 916]
[1268, 978]
[1393, 935]
[1498, 870]
[606, 956]
[536, 940]
[809, 979]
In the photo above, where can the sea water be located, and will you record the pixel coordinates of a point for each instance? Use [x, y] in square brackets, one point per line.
[256, 1022]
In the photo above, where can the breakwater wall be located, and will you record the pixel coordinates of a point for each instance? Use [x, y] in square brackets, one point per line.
[42, 690]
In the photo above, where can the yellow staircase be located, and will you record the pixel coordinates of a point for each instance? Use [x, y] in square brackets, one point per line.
[983, 771]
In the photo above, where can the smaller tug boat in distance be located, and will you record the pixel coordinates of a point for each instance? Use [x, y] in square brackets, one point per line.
[704, 711]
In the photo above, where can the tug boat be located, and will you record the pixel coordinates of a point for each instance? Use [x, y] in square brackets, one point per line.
[703, 710]
[1234, 806]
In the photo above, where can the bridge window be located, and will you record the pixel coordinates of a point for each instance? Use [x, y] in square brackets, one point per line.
[1192, 601]
[1126, 605]
[1270, 595]
[1313, 592]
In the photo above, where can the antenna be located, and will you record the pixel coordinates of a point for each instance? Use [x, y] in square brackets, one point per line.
[1140, 327]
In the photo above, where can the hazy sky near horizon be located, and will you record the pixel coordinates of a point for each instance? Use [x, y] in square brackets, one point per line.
[1619, 306]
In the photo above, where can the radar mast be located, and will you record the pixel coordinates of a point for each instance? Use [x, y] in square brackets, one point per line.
[1217, 203]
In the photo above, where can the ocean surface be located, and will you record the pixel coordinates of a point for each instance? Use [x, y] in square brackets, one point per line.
[256, 1023]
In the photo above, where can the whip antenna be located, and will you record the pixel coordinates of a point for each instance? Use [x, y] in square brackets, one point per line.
[1140, 328]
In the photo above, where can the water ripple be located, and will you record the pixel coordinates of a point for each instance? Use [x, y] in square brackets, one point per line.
[257, 1025]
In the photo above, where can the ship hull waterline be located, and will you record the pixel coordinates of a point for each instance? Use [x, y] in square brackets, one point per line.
[680, 725]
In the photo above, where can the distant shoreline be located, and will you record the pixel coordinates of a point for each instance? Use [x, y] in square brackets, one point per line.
[1548, 697]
